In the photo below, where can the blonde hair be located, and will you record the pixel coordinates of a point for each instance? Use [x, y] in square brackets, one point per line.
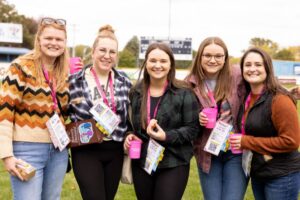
[61, 64]
[105, 31]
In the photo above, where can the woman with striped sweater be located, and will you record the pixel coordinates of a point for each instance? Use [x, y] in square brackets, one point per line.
[34, 90]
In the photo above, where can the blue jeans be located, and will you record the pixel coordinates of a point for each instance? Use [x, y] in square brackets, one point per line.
[50, 164]
[226, 179]
[286, 187]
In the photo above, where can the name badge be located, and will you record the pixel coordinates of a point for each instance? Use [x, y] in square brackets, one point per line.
[107, 119]
[217, 138]
[58, 132]
[154, 156]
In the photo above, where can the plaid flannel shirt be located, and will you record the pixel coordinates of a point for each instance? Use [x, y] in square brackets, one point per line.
[177, 115]
[81, 99]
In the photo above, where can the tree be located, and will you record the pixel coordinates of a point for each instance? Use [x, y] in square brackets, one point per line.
[10, 15]
[133, 46]
[266, 44]
[127, 59]
[296, 52]
[284, 54]
[84, 52]
[234, 61]
[129, 56]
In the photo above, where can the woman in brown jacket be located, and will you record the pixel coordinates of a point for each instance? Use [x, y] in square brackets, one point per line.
[269, 121]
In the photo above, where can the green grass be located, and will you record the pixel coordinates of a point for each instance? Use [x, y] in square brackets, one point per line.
[125, 192]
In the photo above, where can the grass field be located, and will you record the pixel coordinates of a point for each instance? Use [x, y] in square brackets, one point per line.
[125, 192]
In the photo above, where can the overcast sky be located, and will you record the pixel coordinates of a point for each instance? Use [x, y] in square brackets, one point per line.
[235, 21]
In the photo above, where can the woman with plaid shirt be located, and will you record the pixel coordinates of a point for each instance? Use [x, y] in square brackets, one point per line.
[166, 111]
[97, 167]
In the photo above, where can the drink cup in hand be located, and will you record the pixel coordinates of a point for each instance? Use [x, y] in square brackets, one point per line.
[135, 149]
[211, 114]
[233, 149]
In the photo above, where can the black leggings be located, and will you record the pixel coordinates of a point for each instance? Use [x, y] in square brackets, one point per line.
[97, 169]
[166, 184]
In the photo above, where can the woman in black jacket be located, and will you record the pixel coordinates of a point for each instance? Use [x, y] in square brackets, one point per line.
[164, 111]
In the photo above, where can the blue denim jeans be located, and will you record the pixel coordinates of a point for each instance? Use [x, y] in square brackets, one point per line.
[226, 179]
[286, 187]
[50, 164]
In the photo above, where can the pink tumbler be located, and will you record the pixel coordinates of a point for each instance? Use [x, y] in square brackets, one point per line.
[135, 149]
[211, 114]
[75, 64]
[233, 150]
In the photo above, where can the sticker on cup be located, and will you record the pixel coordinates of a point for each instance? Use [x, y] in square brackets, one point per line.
[211, 114]
[135, 149]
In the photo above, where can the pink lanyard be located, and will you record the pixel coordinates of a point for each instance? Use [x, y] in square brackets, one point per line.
[111, 88]
[52, 87]
[247, 104]
[156, 107]
[210, 94]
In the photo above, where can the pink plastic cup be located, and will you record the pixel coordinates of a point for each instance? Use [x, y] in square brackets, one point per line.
[233, 150]
[135, 149]
[74, 66]
[211, 114]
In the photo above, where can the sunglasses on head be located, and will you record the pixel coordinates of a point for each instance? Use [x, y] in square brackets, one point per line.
[49, 21]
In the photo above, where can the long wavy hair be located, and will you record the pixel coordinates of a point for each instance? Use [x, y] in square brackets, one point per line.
[61, 64]
[271, 83]
[223, 86]
[144, 82]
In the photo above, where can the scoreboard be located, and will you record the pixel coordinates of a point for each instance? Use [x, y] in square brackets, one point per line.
[182, 48]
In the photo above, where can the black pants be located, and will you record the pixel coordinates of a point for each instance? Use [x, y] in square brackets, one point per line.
[97, 169]
[166, 184]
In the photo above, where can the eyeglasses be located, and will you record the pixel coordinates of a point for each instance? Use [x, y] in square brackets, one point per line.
[218, 57]
[49, 21]
[104, 51]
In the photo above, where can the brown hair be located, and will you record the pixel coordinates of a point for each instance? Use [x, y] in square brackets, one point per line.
[61, 64]
[145, 82]
[105, 32]
[223, 86]
[271, 83]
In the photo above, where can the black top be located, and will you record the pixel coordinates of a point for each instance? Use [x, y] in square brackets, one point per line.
[153, 103]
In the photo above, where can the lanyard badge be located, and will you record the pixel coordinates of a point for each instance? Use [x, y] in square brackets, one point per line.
[58, 132]
[106, 118]
[102, 112]
[155, 153]
[103, 95]
[56, 128]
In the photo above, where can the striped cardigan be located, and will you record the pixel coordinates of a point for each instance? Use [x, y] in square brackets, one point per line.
[26, 106]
